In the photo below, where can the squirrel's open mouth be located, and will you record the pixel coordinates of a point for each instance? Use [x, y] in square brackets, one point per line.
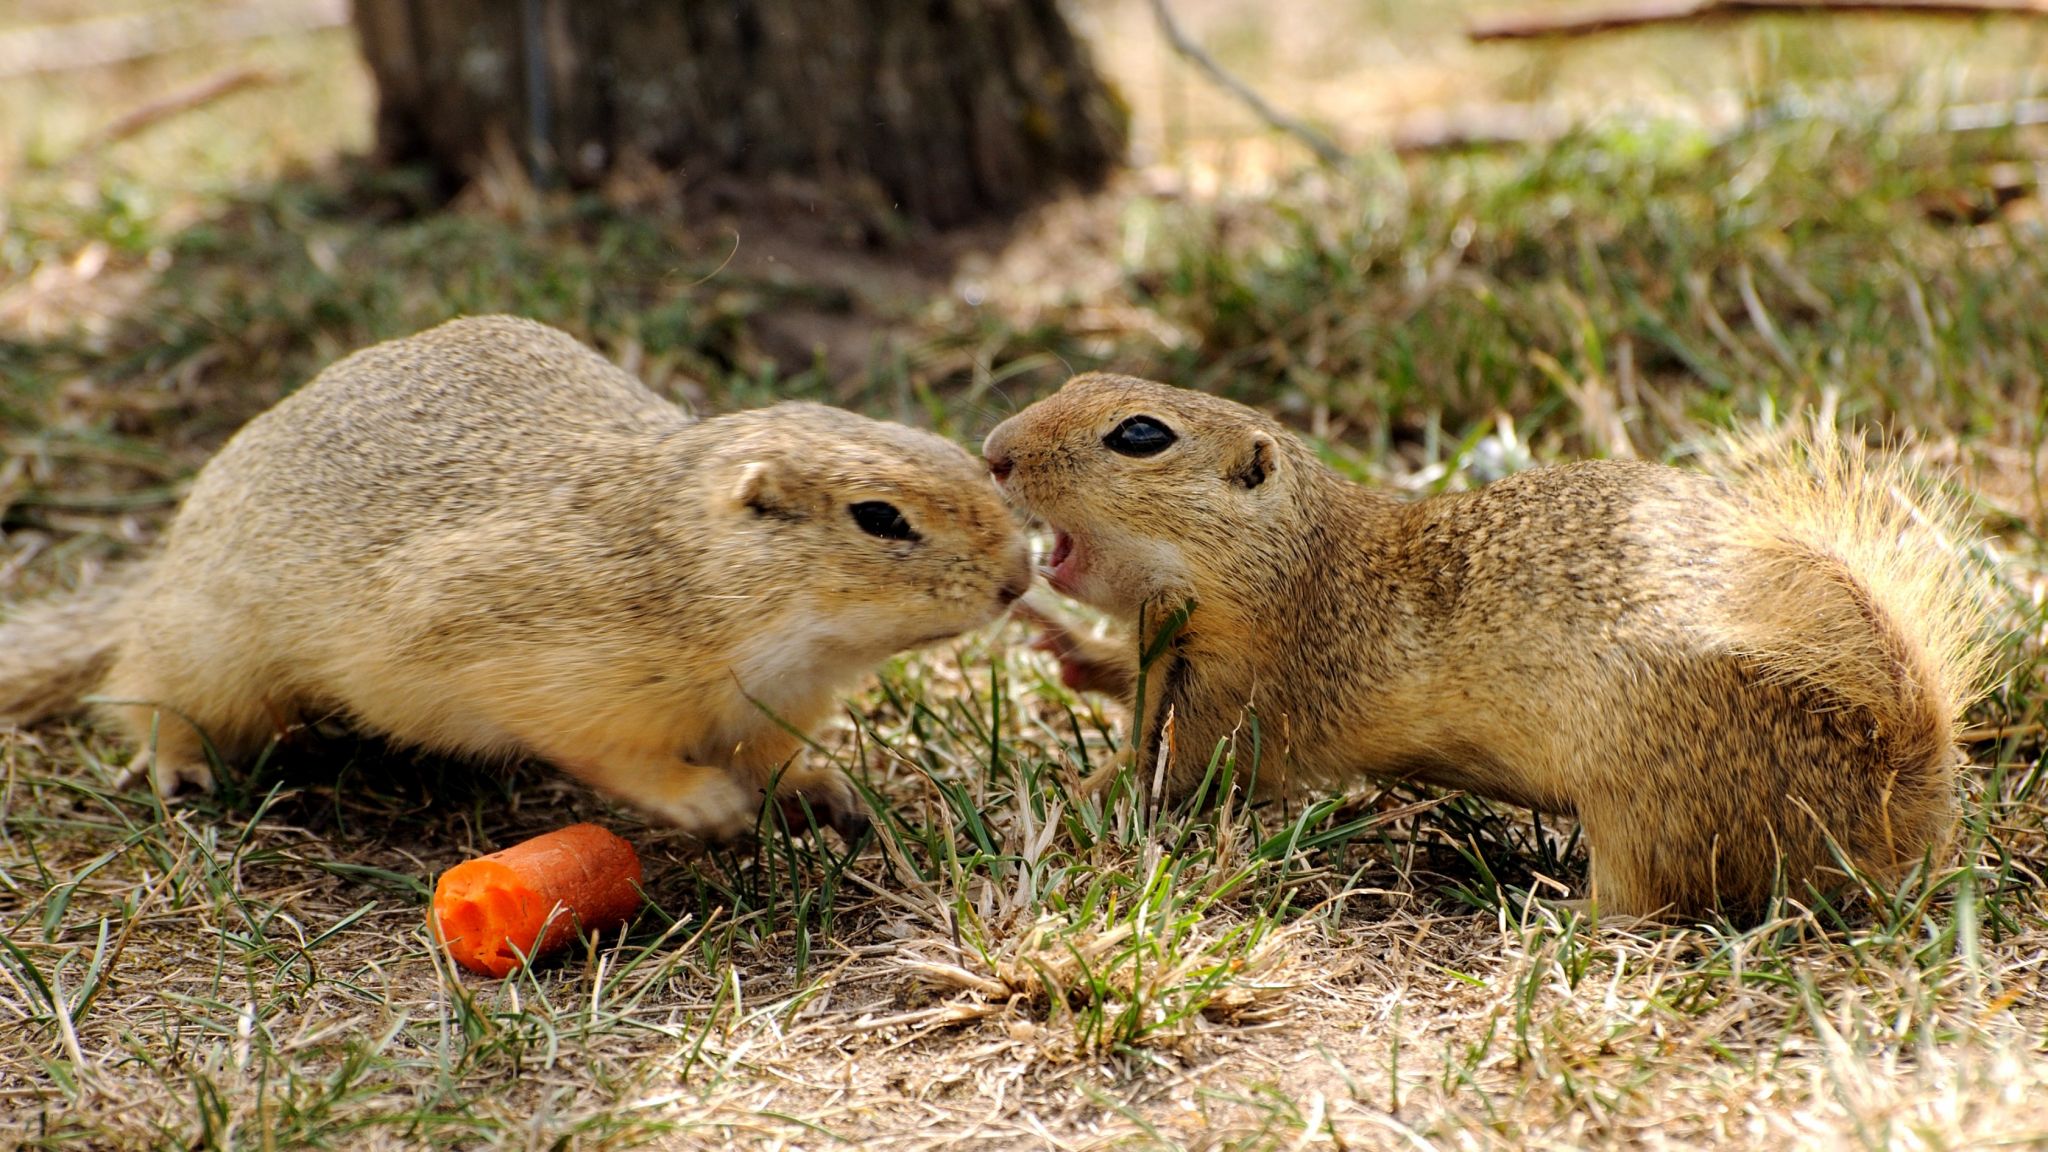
[1063, 564]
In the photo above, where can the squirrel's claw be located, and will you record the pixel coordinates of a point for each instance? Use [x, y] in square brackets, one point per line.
[851, 825]
[832, 803]
[168, 777]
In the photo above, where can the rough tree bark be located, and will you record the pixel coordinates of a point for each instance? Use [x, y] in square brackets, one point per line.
[950, 109]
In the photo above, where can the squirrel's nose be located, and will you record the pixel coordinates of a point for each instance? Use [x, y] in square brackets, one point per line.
[999, 466]
[1014, 589]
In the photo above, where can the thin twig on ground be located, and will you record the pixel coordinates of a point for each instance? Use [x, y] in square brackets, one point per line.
[1325, 149]
[104, 40]
[1484, 126]
[173, 104]
[1991, 733]
[1647, 13]
[1513, 125]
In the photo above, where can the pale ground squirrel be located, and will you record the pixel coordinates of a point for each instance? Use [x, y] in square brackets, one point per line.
[1706, 672]
[488, 540]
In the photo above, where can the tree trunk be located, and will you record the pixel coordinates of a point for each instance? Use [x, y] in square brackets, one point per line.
[949, 109]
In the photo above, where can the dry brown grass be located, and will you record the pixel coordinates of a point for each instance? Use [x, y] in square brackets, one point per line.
[259, 972]
[1004, 964]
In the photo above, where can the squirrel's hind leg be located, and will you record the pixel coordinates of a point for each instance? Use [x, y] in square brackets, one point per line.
[719, 803]
[170, 763]
[182, 711]
[1624, 846]
[175, 750]
[705, 802]
[1662, 861]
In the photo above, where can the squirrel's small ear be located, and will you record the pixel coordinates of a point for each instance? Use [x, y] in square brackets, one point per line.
[1261, 459]
[760, 489]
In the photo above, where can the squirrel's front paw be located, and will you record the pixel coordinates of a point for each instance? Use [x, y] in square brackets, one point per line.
[831, 798]
[1078, 671]
[168, 775]
[1087, 664]
[711, 804]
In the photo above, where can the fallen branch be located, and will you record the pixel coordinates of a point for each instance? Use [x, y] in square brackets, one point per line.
[1995, 117]
[1325, 149]
[103, 502]
[1511, 125]
[1483, 126]
[1995, 732]
[104, 40]
[183, 100]
[1646, 13]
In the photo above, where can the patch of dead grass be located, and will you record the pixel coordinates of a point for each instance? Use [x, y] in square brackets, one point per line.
[1006, 965]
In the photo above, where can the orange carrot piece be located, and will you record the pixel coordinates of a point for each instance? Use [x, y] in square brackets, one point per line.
[485, 908]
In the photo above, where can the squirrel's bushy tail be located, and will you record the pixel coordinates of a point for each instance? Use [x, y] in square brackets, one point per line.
[1862, 581]
[54, 650]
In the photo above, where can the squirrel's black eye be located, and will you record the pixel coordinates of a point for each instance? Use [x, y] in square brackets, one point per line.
[1139, 436]
[880, 518]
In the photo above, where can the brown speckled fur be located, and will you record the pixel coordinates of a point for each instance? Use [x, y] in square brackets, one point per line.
[486, 539]
[1711, 674]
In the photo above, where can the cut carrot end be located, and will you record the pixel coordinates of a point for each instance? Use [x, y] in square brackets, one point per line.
[489, 911]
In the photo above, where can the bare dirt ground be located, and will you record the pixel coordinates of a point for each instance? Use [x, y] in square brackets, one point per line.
[1003, 964]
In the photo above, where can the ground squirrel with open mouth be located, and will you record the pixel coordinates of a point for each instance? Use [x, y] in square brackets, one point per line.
[488, 540]
[1713, 675]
